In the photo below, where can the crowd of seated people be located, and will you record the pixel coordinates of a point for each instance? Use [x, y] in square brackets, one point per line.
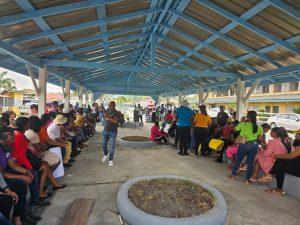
[243, 143]
[27, 162]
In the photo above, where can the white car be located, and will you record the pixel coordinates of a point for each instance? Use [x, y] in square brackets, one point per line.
[213, 112]
[289, 121]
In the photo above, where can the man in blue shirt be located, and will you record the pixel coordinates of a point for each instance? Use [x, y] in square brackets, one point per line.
[184, 116]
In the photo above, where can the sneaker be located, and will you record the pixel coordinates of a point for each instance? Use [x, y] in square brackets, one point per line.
[104, 158]
[110, 163]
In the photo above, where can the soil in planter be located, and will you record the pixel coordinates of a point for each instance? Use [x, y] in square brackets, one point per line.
[135, 138]
[170, 198]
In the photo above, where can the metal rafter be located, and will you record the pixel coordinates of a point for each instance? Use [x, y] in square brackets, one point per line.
[220, 34]
[243, 22]
[17, 18]
[114, 67]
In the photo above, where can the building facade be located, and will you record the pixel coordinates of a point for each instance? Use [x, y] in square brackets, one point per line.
[274, 98]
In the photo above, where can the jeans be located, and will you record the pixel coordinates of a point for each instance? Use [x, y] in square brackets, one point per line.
[3, 220]
[6, 205]
[101, 117]
[250, 150]
[20, 188]
[111, 137]
[34, 186]
[201, 136]
[282, 166]
[184, 137]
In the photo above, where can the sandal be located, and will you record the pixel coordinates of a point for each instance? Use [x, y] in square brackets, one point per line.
[231, 177]
[59, 187]
[275, 192]
[265, 179]
[253, 179]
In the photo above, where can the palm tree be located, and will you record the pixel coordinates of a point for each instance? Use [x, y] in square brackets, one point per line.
[7, 84]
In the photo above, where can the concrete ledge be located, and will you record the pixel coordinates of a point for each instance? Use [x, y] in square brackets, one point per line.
[135, 216]
[291, 185]
[135, 144]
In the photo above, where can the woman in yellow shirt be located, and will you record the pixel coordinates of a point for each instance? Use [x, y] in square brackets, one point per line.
[201, 121]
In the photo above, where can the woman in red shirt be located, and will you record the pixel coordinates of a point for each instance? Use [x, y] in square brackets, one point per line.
[169, 117]
[20, 148]
[156, 135]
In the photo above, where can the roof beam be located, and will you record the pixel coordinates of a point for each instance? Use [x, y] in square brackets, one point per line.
[17, 18]
[80, 26]
[203, 44]
[123, 40]
[95, 37]
[286, 8]
[243, 22]
[101, 13]
[188, 49]
[220, 34]
[158, 22]
[114, 67]
[25, 4]
[21, 56]
[150, 16]
[275, 74]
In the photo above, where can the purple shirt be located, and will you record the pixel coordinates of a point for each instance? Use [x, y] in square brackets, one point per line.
[4, 157]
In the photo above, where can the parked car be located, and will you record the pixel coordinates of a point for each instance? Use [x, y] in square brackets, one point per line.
[213, 112]
[289, 121]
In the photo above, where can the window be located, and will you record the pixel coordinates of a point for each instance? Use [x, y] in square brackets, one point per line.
[294, 86]
[294, 117]
[222, 93]
[277, 88]
[231, 92]
[275, 109]
[267, 109]
[283, 116]
[265, 89]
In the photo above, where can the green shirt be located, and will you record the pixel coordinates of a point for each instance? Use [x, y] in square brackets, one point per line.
[246, 130]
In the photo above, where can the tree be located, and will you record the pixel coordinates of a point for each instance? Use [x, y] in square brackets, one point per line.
[7, 84]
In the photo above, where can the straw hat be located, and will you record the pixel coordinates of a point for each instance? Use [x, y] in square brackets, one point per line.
[60, 119]
[185, 103]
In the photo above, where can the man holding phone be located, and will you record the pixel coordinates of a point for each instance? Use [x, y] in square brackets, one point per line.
[110, 131]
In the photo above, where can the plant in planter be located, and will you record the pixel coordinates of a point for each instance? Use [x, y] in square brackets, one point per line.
[170, 200]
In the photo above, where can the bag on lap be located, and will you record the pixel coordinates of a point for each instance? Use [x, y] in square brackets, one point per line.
[34, 159]
[216, 144]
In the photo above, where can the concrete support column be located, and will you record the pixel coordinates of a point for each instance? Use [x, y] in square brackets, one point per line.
[202, 96]
[80, 95]
[242, 97]
[92, 97]
[240, 100]
[67, 96]
[85, 97]
[43, 76]
[180, 98]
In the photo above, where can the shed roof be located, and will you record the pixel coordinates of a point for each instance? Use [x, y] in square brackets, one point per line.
[152, 47]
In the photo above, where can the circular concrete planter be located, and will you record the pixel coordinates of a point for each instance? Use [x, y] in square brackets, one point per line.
[135, 216]
[136, 144]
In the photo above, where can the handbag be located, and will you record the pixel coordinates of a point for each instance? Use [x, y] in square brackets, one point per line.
[240, 140]
[34, 159]
[216, 144]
